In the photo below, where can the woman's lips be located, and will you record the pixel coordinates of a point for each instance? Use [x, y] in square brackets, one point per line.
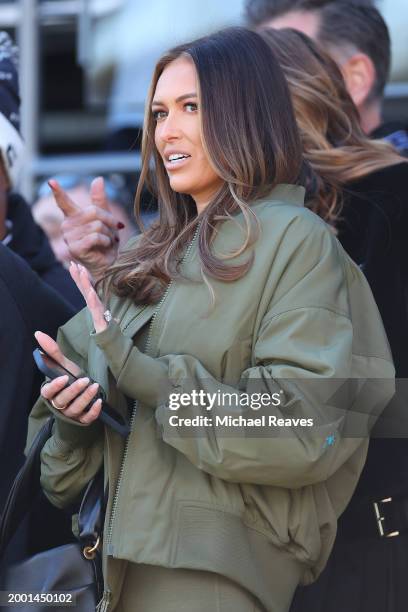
[177, 163]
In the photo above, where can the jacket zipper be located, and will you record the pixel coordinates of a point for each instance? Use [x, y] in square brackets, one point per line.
[104, 604]
[133, 319]
[132, 420]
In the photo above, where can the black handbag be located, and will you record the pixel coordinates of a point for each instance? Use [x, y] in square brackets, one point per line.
[71, 573]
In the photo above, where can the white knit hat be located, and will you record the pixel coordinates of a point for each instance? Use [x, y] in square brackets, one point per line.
[11, 143]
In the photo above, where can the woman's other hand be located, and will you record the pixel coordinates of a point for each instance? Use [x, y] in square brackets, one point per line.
[91, 233]
[73, 400]
[81, 278]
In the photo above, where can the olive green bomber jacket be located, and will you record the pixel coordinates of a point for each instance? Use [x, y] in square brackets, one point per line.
[215, 501]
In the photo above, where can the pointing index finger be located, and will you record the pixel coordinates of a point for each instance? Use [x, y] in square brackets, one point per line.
[64, 202]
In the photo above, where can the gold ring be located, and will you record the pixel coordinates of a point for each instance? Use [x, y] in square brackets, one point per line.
[55, 405]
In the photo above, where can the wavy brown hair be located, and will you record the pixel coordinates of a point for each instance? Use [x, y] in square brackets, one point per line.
[333, 141]
[250, 134]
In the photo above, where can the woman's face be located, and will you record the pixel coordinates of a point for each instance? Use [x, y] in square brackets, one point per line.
[176, 111]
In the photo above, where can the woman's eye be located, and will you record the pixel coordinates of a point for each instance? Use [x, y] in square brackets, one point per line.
[191, 107]
[159, 114]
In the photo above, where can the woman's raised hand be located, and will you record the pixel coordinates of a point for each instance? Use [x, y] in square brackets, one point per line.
[81, 278]
[72, 400]
[90, 233]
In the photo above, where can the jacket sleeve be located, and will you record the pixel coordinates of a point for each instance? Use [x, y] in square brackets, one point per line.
[74, 453]
[303, 352]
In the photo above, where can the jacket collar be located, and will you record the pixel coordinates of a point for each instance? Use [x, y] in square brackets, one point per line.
[290, 194]
[133, 316]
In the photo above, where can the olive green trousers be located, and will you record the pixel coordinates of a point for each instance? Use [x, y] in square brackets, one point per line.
[148, 588]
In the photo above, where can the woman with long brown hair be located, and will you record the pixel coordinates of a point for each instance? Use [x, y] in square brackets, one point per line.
[236, 294]
[361, 192]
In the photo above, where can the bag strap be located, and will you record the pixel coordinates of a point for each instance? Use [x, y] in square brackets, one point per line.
[26, 485]
[92, 510]
[24, 488]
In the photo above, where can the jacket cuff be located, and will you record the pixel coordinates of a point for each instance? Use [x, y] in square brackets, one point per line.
[137, 375]
[72, 434]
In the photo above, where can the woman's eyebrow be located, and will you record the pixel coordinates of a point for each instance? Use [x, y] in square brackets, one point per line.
[179, 99]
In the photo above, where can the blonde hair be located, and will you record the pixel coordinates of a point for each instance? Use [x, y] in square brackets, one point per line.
[333, 141]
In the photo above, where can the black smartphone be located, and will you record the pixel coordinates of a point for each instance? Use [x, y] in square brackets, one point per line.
[52, 369]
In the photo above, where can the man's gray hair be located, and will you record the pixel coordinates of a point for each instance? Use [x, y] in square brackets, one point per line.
[355, 23]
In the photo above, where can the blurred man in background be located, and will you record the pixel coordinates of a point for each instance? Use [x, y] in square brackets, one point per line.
[356, 36]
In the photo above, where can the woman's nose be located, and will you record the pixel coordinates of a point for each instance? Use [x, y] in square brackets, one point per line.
[169, 128]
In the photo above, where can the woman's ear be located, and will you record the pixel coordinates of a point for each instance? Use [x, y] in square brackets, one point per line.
[359, 75]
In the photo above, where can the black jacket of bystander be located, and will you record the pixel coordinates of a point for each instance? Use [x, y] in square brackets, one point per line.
[30, 242]
[27, 304]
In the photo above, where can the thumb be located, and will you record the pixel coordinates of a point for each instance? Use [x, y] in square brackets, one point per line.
[51, 347]
[97, 193]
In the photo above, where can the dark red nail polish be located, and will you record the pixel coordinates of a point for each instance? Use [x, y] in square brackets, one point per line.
[120, 225]
[116, 239]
